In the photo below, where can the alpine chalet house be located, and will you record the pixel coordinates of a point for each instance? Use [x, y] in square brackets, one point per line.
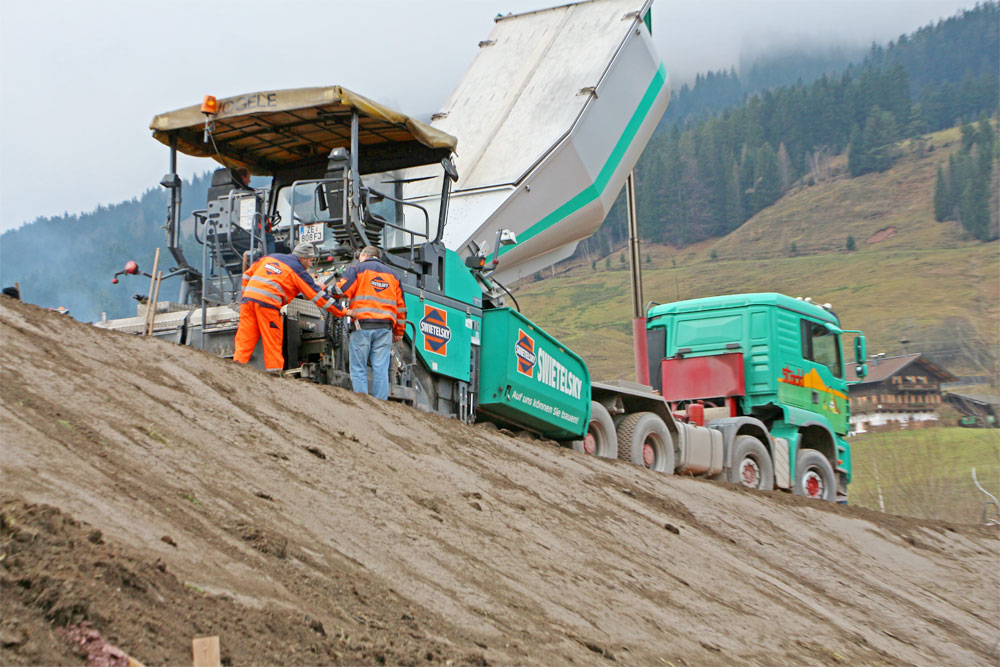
[899, 392]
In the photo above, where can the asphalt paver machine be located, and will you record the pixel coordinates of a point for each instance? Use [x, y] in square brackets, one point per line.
[557, 107]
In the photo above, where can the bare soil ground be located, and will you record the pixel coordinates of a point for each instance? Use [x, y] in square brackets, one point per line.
[153, 493]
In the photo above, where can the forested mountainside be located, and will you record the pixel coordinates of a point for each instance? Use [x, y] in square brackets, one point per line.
[954, 59]
[68, 260]
[706, 176]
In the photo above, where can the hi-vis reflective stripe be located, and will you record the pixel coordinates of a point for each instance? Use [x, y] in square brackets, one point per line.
[378, 299]
[270, 295]
[315, 299]
[258, 279]
[375, 311]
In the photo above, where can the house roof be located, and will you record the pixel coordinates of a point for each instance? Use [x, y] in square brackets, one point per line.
[979, 399]
[886, 367]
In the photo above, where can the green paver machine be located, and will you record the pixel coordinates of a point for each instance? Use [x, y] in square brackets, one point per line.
[544, 164]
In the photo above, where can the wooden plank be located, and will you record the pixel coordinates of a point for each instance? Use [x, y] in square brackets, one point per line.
[206, 651]
[150, 306]
[154, 298]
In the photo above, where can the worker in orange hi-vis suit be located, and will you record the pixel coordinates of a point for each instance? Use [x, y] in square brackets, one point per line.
[270, 283]
[377, 306]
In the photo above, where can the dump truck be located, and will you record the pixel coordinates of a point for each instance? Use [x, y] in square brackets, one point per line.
[552, 117]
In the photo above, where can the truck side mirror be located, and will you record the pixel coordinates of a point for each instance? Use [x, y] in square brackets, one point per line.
[449, 168]
[860, 353]
[861, 370]
[171, 180]
[504, 237]
[320, 194]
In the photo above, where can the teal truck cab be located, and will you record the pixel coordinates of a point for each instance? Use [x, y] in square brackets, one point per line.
[767, 371]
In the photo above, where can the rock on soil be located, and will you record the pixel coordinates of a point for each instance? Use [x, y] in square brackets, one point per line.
[154, 493]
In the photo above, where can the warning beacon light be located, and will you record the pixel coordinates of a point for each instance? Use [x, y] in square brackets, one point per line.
[210, 105]
[131, 268]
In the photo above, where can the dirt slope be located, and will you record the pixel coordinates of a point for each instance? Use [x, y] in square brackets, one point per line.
[306, 525]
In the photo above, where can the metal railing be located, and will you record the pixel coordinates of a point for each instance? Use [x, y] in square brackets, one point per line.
[359, 225]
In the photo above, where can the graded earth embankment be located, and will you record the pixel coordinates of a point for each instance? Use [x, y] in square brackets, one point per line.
[153, 493]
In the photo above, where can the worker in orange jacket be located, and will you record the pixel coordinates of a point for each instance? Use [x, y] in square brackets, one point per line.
[270, 283]
[376, 304]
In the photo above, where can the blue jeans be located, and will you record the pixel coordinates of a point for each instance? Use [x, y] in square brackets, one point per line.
[371, 345]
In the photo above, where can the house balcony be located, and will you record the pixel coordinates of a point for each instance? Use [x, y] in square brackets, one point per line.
[897, 406]
[915, 386]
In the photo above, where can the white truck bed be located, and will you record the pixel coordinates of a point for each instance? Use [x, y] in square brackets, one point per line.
[551, 117]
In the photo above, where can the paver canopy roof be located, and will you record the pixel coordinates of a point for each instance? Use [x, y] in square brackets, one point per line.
[271, 130]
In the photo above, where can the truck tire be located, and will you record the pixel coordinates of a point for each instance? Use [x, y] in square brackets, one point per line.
[600, 438]
[814, 476]
[643, 439]
[751, 464]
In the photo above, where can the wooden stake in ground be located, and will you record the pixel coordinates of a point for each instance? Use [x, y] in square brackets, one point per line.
[155, 297]
[150, 305]
[206, 651]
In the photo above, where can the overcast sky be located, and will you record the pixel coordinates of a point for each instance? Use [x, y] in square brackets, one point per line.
[80, 81]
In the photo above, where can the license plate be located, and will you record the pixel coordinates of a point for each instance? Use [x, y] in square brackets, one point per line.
[311, 233]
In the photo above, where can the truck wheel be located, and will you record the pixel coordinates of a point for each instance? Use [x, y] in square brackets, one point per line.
[600, 438]
[643, 439]
[814, 476]
[751, 464]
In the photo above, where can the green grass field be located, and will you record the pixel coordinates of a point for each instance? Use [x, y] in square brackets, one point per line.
[926, 473]
[910, 277]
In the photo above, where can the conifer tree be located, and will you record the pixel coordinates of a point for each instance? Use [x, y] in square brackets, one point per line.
[735, 213]
[784, 167]
[968, 135]
[894, 95]
[974, 208]
[880, 135]
[857, 153]
[985, 136]
[955, 180]
[767, 179]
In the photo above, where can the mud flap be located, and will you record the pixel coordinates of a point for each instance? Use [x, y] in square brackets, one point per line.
[291, 342]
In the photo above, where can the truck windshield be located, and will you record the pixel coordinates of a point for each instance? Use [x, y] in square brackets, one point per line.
[316, 201]
[307, 209]
[822, 346]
